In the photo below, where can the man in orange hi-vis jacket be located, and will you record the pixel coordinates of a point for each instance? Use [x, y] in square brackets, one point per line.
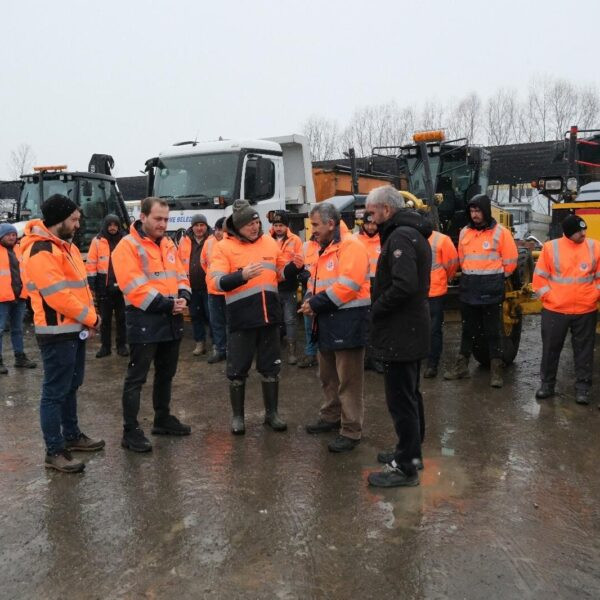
[567, 279]
[156, 289]
[488, 254]
[64, 316]
[444, 264]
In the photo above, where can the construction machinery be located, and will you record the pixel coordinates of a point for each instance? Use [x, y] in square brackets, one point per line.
[95, 192]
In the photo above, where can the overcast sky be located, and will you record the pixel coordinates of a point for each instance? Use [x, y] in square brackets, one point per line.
[128, 78]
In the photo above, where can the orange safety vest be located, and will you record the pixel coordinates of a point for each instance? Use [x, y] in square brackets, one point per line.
[489, 251]
[256, 302]
[98, 258]
[57, 282]
[6, 291]
[205, 261]
[444, 263]
[373, 247]
[567, 276]
[145, 269]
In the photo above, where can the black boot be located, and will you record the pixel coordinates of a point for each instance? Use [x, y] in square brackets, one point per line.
[22, 362]
[3, 369]
[236, 395]
[270, 397]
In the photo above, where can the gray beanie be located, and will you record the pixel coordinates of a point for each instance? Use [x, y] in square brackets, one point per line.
[243, 213]
[5, 229]
[199, 218]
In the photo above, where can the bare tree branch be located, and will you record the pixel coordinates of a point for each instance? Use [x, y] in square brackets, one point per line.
[21, 160]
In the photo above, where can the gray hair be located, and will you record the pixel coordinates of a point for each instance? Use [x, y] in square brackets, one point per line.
[327, 212]
[386, 195]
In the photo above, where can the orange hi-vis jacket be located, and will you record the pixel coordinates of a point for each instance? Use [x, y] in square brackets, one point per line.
[98, 259]
[252, 303]
[444, 263]
[6, 291]
[205, 261]
[57, 284]
[567, 276]
[146, 270]
[373, 247]
[289, 245]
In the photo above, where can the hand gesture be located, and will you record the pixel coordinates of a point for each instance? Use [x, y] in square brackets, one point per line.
[305, 309]
[178, 305]
[298, 260]
[252, 270]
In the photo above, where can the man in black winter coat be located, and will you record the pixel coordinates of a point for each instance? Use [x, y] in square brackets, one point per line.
[400, 328]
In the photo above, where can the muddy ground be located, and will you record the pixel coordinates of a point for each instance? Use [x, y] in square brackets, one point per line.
[508, 505]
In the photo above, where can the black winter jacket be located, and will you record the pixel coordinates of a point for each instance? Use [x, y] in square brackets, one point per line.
[400, 325]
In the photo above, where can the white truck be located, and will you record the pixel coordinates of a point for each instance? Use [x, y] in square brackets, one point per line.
[206, 177]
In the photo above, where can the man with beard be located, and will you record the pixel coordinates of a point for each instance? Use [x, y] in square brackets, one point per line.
[101, 277]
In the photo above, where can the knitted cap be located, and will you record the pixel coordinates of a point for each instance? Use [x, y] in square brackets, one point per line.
[6, 228]
[199, 218]
[57, 208]
[243, 213]
[572, 224]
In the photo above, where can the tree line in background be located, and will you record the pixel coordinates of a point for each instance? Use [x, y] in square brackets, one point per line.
[545, 112]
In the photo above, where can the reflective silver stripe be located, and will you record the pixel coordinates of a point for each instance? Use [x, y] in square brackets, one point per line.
[218, 278]
[163, 274]
[61, 285]
[215, 274]
[355, 303]
[181, 286]
[452, 261]
[509, 261]
[436, 266]
[556, 257]
[91, 262]
[462, 233]
[103, 272]
[269, 266]
[31, 286]
[590, 244]
[496, 237]
[90, 276]
[326, 282]
[54, 329]
[83, 314]
[542, 291]
[4, 272]
[241, 295]
[571, 280]
[541, 273]
[135, 283]
[181, 276]
[333, 296]
[148, 299]
[348, 282]
[142, 253]
[435, 241]
[483, 271]
[490, 256]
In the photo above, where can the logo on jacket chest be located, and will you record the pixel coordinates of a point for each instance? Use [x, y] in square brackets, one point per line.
[330, 265]
[171, 258]
[486, 245]
[584, 266]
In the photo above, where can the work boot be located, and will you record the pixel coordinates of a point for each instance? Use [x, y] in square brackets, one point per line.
[460, 370]
[545, 391]
[393, 476]
[216, 357]
[430, 372]
[270, 391]
[342, 444]
[84, 444]
[22, 362]
[170, 425]
[3, 369]
[308, 360]
[236, 395]
[582, 397]
[135, 440]
[387, 456]
[496, 367]
[64, 462]
[322, 426]
[199, 349]
[123, 351]
[292, 359]
[104, 351]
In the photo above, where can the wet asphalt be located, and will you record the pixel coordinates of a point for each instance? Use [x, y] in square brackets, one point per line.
[508, 505]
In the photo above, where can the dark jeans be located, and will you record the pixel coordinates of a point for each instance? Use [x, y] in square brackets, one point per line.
[436, 313]
[583, 336]
[289, 307]
[481, 320]
[405, 404]
[64, 366]
[112, 302]
[218, 323]
[165, 356]
[199, 314]
[243, 344]
[310, 347]
[12, 313]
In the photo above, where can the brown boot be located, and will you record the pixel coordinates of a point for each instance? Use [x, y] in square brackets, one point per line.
[496, 367]
[460, 370]
[199, 349]
[64, 462]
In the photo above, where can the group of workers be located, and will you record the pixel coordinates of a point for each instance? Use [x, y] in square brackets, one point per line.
[372, 298]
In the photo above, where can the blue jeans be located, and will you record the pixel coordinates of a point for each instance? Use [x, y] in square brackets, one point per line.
[310, 347]
[218, 324]
[289, 306]
[199, 314]
[64, 366]
[12, 313]
[436, 313]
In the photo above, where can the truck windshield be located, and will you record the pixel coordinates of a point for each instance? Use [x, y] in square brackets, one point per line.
[417, 174]
[202, 177]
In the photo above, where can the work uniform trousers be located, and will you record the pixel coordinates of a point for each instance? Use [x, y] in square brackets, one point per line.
[112, 302]
[199, 314]
[436, 314]
[342, 378]
[12, 313]
[165, 356]
[405, 404]
[289, 308]
[481, 320]
[583, 335]
[244, 344]
[218, 322]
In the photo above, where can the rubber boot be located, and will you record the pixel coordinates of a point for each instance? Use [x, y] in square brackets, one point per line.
[496, 367]
[270, 398]
[460, 370]
[237, 391]
[3, 369]
[292, 359]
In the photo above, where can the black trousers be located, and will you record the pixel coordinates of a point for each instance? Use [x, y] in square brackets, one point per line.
[405, 403]
[583, 335]
[112, 302]
[481, 320]
[165, 356]
[244, 344]
[436, 314]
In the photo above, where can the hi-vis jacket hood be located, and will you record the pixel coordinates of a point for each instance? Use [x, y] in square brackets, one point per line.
[57, 283]
[482, 202]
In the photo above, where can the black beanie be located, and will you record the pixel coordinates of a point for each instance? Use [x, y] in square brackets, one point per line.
[572, 224]
[280, 216]
[243, 213]
[57, 208]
